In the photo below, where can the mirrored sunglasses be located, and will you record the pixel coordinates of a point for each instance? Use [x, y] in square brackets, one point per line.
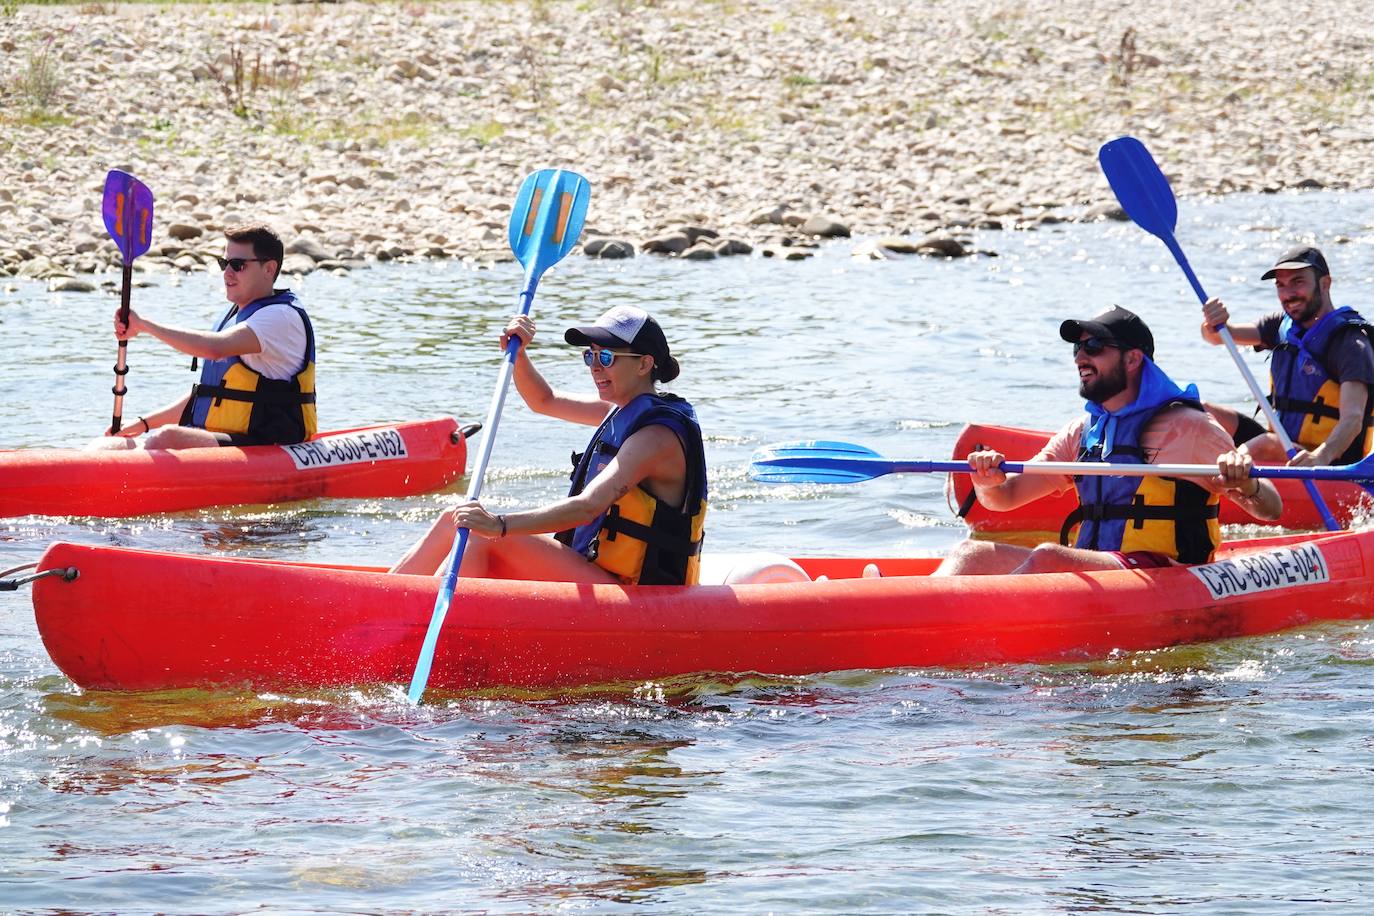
[604, 357]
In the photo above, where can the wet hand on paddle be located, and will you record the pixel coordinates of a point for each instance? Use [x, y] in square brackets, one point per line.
[987, 468]
[127, 328]
[1234, 473]
[521, 326]
[477, 520]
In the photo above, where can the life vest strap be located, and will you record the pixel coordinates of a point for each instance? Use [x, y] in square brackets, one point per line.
[1138, 513]
[615, 523]
[265, 396]
[1318, 408]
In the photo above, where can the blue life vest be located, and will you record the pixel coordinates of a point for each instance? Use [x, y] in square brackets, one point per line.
[1304, 393]
[233, 398]
[639, 538]
[1165, 515]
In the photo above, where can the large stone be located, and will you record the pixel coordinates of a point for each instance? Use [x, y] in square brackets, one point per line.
[700, 252]
[697, 233]
[729, 247]
[825, 227]
[309, 247]
[942, 245]
[611, 249]
[898, 244]
[666, 244]
[298, 264]
[185, 231]
[36, 268]
[772, 215]
[1104, 210]
[70, 285]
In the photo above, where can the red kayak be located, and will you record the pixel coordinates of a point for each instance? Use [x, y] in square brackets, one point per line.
[265, 624]
[396, 459]
[1346, 500]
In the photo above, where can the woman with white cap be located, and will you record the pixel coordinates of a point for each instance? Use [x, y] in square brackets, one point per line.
[636, 509]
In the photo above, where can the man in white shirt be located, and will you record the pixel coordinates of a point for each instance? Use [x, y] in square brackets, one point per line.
[258, 382]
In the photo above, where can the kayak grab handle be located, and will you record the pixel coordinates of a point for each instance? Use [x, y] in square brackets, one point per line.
[467, 432]
[9, 585]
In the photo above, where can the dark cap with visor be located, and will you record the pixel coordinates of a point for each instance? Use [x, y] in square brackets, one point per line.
[1297, 258]
[1114, 326]
[628, 328]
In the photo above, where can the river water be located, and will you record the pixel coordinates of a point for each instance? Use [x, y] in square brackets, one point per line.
[1231, 777]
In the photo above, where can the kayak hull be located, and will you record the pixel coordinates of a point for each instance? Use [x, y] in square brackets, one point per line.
[266, 624]
[1346, 500]
[395, 459]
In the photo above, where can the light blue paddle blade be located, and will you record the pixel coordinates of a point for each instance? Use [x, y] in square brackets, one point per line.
[821, 461]
[778, 470]
[127, 207]
[1139, 185]
[816, 448]
[547, 218]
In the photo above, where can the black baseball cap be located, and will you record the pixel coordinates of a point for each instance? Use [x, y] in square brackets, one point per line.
[632, 329]
[1298, 257]
[1115, 325]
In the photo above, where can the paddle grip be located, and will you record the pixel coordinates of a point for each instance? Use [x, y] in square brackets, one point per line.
[121, 367]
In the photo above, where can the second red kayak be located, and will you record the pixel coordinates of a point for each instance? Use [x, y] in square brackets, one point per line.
[395, 459]
[1346, 500]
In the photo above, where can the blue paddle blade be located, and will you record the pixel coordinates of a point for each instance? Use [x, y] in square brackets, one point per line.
[817, 461]
[547, 218]
[128, 211]
[1140, 187]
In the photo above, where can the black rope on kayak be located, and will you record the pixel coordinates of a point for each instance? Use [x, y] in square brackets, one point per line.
[10, 585]
[467, 432]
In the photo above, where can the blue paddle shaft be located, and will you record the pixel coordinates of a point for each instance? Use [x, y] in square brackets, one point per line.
[479, 469]
[825, 463]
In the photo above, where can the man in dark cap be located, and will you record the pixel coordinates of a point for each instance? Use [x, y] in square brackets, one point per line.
[1135, 414]
[1321, 371]
[636, 510]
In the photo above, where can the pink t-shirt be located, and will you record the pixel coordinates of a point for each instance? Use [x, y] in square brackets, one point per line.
[1176, 435]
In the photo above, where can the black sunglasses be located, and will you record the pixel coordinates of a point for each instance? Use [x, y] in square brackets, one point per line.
[237, 264]
[1094, 346]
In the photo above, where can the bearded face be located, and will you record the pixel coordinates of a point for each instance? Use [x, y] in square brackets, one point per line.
[1102, 377]
[1300, 294]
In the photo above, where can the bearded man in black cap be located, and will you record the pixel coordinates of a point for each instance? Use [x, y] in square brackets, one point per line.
[636, 511]
[1321, 371]
[1135, 414]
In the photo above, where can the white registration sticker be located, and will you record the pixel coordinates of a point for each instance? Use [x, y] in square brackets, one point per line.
[348, 448]
[1278, 567]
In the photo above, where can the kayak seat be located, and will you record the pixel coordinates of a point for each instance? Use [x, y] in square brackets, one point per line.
[756, 568]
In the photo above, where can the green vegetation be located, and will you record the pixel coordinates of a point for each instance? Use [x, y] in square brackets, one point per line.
[362, 126]
[281, 78]
[38, 82]
[799, 80]
[484, 133]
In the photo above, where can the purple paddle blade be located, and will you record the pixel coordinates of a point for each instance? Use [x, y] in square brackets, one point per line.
[128, 211]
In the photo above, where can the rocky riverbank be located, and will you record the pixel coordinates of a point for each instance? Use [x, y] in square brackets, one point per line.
[384, 131]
